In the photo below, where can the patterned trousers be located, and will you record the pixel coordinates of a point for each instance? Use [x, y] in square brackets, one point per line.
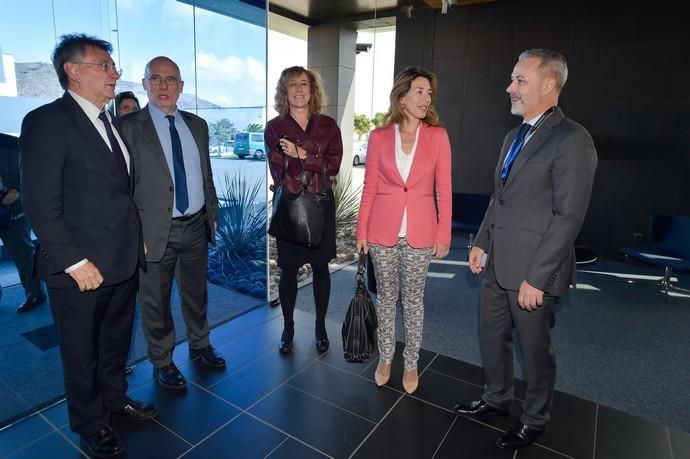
[396, 267]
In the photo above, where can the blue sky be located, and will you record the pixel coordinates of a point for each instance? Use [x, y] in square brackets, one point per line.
[230, 53]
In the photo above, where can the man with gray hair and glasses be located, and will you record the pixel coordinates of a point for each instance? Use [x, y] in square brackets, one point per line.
[174, 191]
[78, 198]
[525, 245]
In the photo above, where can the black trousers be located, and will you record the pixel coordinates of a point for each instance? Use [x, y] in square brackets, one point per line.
[17, 241]
[499, 314]
[95, 330]
[185, 259]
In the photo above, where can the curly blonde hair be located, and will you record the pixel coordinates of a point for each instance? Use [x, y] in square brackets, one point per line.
[317, 98]
[401, 86]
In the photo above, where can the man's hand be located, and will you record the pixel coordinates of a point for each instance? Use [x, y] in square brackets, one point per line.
[87, 277]
[361, 244]
[475, 260]
[529, 298]
[11, 196]
[440, 250]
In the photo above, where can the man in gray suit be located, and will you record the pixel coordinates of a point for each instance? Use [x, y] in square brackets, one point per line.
[173, 189]
[542, 187]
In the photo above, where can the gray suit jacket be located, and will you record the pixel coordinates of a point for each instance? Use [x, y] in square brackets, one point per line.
[153, 184]
[533, 219]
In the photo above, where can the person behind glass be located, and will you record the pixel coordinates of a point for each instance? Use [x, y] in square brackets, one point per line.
[302, 133]
[408, 163]
[126, 102]
[16, 238]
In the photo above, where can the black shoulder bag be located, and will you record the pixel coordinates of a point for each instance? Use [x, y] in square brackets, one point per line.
[298, 217]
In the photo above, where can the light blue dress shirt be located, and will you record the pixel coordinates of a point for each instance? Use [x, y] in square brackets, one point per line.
[190, 152]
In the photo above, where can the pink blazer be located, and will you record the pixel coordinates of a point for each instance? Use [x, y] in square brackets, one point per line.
[386, 195]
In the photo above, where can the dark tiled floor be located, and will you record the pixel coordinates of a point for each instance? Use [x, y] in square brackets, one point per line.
[309, 405]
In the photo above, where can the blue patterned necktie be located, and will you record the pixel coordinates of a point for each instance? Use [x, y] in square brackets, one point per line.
[115, 146]
[514, 150]
[181, 196]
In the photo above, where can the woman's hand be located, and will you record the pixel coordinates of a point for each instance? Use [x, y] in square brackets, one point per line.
[440, 250]
[361, 244]
[291, 149]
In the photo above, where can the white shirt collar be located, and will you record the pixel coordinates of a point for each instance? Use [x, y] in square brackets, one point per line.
[534, 120]
[91, 110]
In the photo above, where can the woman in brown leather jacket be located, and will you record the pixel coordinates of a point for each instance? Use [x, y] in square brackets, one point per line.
[300, 133]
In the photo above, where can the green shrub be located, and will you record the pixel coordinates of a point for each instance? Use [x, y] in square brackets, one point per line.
[239, 259]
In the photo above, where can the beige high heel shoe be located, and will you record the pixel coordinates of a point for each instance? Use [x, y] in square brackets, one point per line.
[382, 374]
[410, 381]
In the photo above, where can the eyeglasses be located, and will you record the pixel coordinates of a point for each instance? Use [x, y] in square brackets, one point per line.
[156, 80]
[105, 66]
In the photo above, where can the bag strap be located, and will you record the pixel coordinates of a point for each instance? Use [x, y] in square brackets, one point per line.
[302, 175]
[361, 271]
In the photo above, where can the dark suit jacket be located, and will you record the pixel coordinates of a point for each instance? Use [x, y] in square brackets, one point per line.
[533, 219]
[9, 168]
[153, 184]
[75, 198]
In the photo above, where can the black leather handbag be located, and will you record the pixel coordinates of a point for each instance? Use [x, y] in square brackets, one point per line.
[6, 217]
[298, 217]
[359, 326]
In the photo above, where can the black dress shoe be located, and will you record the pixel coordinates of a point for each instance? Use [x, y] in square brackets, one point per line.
[31, 303]
[136, 411]
[209, 356]
[479, 408]
[170, 377]
[104, 443]
[520, 436]
[322, 345]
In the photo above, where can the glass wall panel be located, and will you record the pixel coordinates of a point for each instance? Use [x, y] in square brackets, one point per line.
[221, 53]
[231, 68]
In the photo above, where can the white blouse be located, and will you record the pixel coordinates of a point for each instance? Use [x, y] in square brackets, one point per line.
[404, 162]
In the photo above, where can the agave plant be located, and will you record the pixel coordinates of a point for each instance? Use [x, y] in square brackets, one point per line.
[346, 203]
[239, 260]
[241, 222]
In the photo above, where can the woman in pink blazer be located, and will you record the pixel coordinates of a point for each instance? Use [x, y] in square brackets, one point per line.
[405, 213]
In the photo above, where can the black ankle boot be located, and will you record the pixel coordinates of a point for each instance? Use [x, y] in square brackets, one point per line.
[286, 340]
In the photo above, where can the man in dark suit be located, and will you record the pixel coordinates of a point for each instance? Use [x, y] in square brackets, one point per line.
[77, 196]
[15, 231]
[542, 187]
[174, 191]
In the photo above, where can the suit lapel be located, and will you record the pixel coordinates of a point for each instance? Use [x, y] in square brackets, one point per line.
[86, 127]
[148, 132]
[90, 134]
[531, 147]
[389, 154]
[421, 150]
